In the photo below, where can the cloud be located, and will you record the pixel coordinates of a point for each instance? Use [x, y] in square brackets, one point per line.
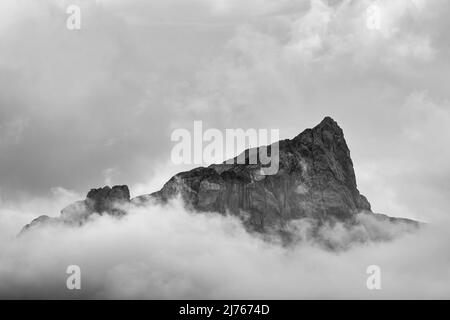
[11, 132]
[96, 98]
[109, 95]
[167, 252]
[288, 69]
[100, 104]
[14, 214]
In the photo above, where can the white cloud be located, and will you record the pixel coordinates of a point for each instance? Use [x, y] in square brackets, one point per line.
[159, 252]
[291, 69]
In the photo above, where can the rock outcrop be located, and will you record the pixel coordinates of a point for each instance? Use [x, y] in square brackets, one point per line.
[315, 180]
[104, 200]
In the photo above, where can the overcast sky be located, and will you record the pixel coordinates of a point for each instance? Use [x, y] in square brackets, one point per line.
[79, 109]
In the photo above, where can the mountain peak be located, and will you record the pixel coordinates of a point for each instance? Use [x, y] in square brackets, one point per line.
[330, 124]
[315, 180]
[327, 119]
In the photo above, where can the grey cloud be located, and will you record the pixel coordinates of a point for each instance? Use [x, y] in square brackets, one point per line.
[78, 109]
[156, 252]
[95, 99]
[109, 95]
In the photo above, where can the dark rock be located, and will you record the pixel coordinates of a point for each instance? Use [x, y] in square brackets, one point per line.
[104, 200]
[315, 181]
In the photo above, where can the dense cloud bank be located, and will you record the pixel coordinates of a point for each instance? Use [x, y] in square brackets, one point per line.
[166, 252]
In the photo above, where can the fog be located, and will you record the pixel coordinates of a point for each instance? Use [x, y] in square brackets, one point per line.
[167, 252]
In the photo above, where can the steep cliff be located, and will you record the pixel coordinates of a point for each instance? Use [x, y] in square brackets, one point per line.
[315, 180]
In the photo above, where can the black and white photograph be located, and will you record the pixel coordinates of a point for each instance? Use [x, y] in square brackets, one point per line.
[236, 150]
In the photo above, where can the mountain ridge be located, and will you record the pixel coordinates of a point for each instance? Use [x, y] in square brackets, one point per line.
[315, 180]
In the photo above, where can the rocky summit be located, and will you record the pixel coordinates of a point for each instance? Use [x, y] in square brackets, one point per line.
[102, 201]
[315, 180]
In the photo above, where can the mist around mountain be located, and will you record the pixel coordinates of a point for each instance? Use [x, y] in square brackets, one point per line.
[315, 186]
[226, 232]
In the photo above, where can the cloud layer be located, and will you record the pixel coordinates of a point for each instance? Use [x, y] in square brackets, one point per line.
[166, 252]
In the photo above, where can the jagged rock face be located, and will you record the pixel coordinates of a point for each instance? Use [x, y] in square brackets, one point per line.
[106, 199]
[103, 200]
[315, 179]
